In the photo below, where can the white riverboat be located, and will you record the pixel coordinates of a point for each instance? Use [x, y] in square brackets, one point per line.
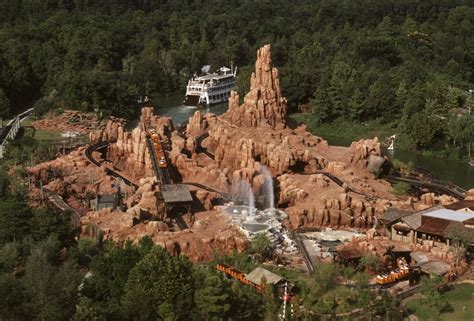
[210, 88]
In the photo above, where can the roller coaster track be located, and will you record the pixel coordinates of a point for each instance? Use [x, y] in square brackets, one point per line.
[162, 173]
[433, 184]
[180, 222]
[224, 196]
[109, 171]
[303, 250]
[340, 183]
[59, 203]
[201, 149]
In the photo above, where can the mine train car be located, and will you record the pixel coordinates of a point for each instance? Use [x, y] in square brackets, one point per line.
[398, 274]
[158, 148]
[240, 276]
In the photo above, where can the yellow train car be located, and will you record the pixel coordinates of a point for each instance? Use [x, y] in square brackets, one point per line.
[395, 275]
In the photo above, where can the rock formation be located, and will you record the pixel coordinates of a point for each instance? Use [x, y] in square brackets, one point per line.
[360, 151]
[263, 104]
[318, 184]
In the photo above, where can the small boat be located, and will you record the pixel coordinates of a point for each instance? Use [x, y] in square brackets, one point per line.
[210, 88]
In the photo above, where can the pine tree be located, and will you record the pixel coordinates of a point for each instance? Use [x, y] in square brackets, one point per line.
[212, 299]
[159, 286]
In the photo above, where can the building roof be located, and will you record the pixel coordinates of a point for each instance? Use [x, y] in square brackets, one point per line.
[419, 257]
[434, 225]
[447, 214]
[349, 254]
[434, 267]
[461, 205]
[414, 220]
[393, 214]
[270, 278]
[176, 193]
[107, 198]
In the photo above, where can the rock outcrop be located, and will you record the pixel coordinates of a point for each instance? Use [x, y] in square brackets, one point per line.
[263, 104]
[361, 150]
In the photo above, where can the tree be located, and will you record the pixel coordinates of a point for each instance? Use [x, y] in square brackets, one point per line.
[459, 234]
[259, 244]
[13, 298]
[45, 224]
[271, 306]
[212, 298]
[159, 286]
[14, 220]
[52, 291]
[110, 272]
[425, 130]
[370, 262]
[324, 275]
[4, 104]
[431, 296]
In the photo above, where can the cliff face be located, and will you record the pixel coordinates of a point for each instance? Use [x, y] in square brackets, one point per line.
[263, 105]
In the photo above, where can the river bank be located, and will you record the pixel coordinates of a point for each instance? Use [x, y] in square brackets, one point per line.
[344, 133]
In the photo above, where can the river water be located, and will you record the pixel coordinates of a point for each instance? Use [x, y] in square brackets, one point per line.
[457, 172]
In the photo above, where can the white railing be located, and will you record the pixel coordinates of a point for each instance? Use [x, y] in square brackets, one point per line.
[15, 124]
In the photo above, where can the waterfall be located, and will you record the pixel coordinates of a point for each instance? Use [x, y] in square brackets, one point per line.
[244, 189]
[268, 186]
[251, 200]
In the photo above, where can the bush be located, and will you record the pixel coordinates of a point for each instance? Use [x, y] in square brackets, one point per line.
[401, 188]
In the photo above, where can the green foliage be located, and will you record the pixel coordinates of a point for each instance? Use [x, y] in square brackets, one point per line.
[51, 290]
[431, 295]
[4, 104]
[459, 234]
[401, 188]
[15, 216]
[110, 273]
[348, 60]
[425, 129]
[459, 299]
[212, 297]
[259, 244]
[370, 262]
[45, 224]
[160, 286]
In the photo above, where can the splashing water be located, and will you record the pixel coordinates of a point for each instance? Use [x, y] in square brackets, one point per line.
[269, 191]
[244, 189]
[251, 200]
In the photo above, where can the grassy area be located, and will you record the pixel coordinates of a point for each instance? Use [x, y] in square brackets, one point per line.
[462, 295]
[47, 135]
[347, 129]
[342, 132]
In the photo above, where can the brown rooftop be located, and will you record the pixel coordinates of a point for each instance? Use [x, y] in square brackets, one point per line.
[460, 205]
[414, 219]
[433, 225]
[349, 254]
[177, 193]
[393, 214]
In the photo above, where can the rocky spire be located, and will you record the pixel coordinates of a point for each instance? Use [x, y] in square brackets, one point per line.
[263, 105]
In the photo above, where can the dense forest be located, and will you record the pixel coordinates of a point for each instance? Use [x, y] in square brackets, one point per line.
[402, 61]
